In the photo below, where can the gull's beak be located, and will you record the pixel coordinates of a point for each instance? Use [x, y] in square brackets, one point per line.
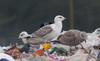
[18, 38]
[66, 19]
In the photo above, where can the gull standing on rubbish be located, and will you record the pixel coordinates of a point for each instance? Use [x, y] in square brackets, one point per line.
[48, 32]
[72, 37]
[27, 38]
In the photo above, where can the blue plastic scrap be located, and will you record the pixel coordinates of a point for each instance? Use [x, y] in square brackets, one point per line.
[3, 59]
[98, 57]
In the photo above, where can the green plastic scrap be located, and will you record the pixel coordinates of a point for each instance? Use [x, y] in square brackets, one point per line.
[20, 46]
[59, 50]
[52, 50]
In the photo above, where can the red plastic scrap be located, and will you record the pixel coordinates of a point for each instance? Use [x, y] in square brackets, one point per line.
[14, 52]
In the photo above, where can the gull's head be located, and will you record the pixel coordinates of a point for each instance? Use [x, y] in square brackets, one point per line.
[59, 18]
[83, 35]
[23, 34]
[97, 32]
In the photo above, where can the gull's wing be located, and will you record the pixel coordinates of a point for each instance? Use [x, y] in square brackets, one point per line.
[36, 41]
[42, 31]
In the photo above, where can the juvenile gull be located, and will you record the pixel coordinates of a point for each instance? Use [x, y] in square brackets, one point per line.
[50, 31]
[27, 38]
[72, 37]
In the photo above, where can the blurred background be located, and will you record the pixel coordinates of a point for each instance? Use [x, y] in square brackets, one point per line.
[27, 15]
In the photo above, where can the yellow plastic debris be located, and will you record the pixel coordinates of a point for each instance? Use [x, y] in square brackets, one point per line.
[46, 46]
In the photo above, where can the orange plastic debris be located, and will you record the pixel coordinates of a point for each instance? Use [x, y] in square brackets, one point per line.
[46, 46]
[38, 52]
[9, 51]
[16, 53]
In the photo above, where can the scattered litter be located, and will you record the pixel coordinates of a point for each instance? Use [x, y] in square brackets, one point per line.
[46, 46]
[98, 57]
[3, 59]
[38, 52]
[54, 52]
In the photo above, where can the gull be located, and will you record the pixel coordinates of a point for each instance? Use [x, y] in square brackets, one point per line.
[50, 31]
[72, 37]
[27, 38]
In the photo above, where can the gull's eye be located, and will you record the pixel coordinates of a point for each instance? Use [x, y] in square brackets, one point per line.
[22, 34]
[60, 17]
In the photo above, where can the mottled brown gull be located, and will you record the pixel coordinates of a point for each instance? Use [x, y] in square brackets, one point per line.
[72, 37]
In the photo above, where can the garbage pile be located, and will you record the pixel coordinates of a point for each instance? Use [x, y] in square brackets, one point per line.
[20, 53]
[88, 50]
